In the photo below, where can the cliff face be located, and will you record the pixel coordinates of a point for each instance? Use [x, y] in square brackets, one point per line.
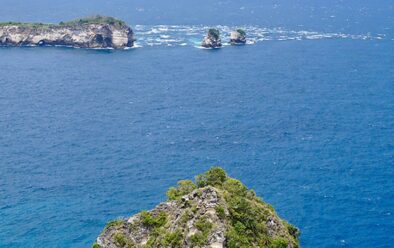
[85, 33]
[218, 212]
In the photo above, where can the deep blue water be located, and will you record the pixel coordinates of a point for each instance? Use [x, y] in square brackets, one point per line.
[87, 136]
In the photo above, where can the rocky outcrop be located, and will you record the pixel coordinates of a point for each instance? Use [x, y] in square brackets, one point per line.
[93, 32]
[238, 37]
[217, 211]
[212, 39]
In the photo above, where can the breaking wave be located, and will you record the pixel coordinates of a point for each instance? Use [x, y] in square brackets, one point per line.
[186, 35]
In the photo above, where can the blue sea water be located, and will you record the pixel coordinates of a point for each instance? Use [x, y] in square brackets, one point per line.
[304, 115]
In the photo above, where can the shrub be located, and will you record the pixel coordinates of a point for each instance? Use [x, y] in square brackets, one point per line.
[220, 211]
[186, 216]
[95, 245]
[204, 227]
[184, 187]
[197, 240]
[216, 176]
[147, 219]
[203, 224]
[114, 223]
[279, 243]
[251, 194]
[294, 231]
[122, 241]
[236, 240]
[159, 220]
[173, 239]
[233, 186]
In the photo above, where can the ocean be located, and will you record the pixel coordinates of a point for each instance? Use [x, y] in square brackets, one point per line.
[303, 114]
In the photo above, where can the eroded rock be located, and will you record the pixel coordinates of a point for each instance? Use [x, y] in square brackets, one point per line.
[93, 32]
[238, 37]
[212, 39]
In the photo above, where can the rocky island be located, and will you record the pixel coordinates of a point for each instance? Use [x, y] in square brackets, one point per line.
[212, 39]
[215, 211]
[90, 32]
[238, 37]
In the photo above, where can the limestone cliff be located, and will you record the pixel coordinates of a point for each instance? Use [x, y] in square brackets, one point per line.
[216, 211]
[91, 32]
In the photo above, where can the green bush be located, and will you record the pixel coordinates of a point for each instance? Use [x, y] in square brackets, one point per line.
[216, 176]
[236, 240]
[247, 216]
[220, 211]
[197, 240]
[184, 187]
[121, 241]
[234, 186]
[114, 223]
[203, 224]
[95, 245]
[159, 220]
[294, 231]
[173, 239]
[204, 227]
[279, 243]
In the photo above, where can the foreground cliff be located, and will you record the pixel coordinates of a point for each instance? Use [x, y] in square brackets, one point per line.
[216, 211]
[91, 32]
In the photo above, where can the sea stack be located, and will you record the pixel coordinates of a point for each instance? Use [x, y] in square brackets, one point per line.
[212, 39]
[238, 37]
[90, 32]
[215, 211]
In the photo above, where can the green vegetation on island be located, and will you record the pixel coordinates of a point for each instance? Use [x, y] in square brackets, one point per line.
[27, 24]
[215, 33]
[215, 209]
[241, 32]
[97, 19]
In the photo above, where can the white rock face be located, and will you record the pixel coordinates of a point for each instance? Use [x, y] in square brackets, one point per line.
[83, 35]
[237, 38]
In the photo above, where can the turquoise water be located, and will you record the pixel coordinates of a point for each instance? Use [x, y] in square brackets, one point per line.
[304, 115]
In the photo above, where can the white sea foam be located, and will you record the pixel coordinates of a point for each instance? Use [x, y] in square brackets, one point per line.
[183, 35]
[205, 48]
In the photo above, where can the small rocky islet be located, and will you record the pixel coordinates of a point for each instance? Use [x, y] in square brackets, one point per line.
[214, 211]
[212, 39]
[90, 32]
[238, 37]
